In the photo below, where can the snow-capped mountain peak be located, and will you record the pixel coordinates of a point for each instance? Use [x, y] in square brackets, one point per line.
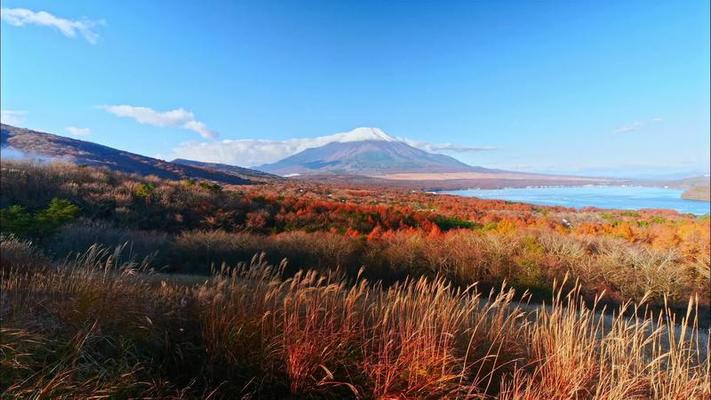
[361, 134]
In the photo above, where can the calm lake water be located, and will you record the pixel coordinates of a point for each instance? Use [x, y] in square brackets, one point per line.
[615, 197]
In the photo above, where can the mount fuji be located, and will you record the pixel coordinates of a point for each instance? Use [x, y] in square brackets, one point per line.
[366, 151]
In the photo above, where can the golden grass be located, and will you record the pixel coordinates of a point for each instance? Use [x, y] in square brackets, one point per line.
[98, 328]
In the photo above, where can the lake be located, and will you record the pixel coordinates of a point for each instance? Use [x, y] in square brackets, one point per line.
[613, 197]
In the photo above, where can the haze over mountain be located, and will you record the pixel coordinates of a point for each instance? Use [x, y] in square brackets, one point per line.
[369, 152]
[25, 143]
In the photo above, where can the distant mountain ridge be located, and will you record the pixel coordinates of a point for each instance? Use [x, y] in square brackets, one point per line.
[695, 188]
[226, 168]
[16, 141]
[367, 151]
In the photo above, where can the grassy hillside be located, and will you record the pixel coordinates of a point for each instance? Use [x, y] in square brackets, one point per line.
[46, 146]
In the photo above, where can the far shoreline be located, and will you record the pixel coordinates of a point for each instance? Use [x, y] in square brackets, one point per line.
[459, 192]
[699, 194]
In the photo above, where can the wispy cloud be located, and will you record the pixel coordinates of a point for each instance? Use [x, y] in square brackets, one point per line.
[12, 117]
[253, 152]
[447, 147]
[636, 125]
[75, 131]
[244, 152]
[68, 27]
[178, 118]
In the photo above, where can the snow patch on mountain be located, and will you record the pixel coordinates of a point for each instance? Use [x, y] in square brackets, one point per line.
[360, 134]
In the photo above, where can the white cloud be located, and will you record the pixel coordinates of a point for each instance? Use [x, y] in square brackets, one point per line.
[636, 125]
[200, 128]
[68, 27]
[245, 152]
[75, 131]
[178, 118]
[447, 147]
[253, 152]
[12, 117]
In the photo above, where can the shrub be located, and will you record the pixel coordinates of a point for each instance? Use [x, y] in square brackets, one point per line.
[58, 212]
[138, 245]
[446, 223]
[145, 190]
[213, 187]
[20, 255]
[17, 220]
[198, 251]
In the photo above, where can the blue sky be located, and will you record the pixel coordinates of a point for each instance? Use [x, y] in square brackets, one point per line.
[601, 87]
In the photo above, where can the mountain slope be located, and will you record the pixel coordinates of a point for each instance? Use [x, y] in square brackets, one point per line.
[228, 169]
[367, 151]
[39, 145]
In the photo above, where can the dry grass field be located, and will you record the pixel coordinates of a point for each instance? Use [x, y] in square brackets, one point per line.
[92, 328]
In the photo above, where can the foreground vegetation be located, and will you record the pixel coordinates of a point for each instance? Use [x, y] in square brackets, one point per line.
[94, 328]
[118, 286]
[191, 227]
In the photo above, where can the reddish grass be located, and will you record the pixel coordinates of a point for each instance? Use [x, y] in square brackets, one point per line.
[95, 328]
